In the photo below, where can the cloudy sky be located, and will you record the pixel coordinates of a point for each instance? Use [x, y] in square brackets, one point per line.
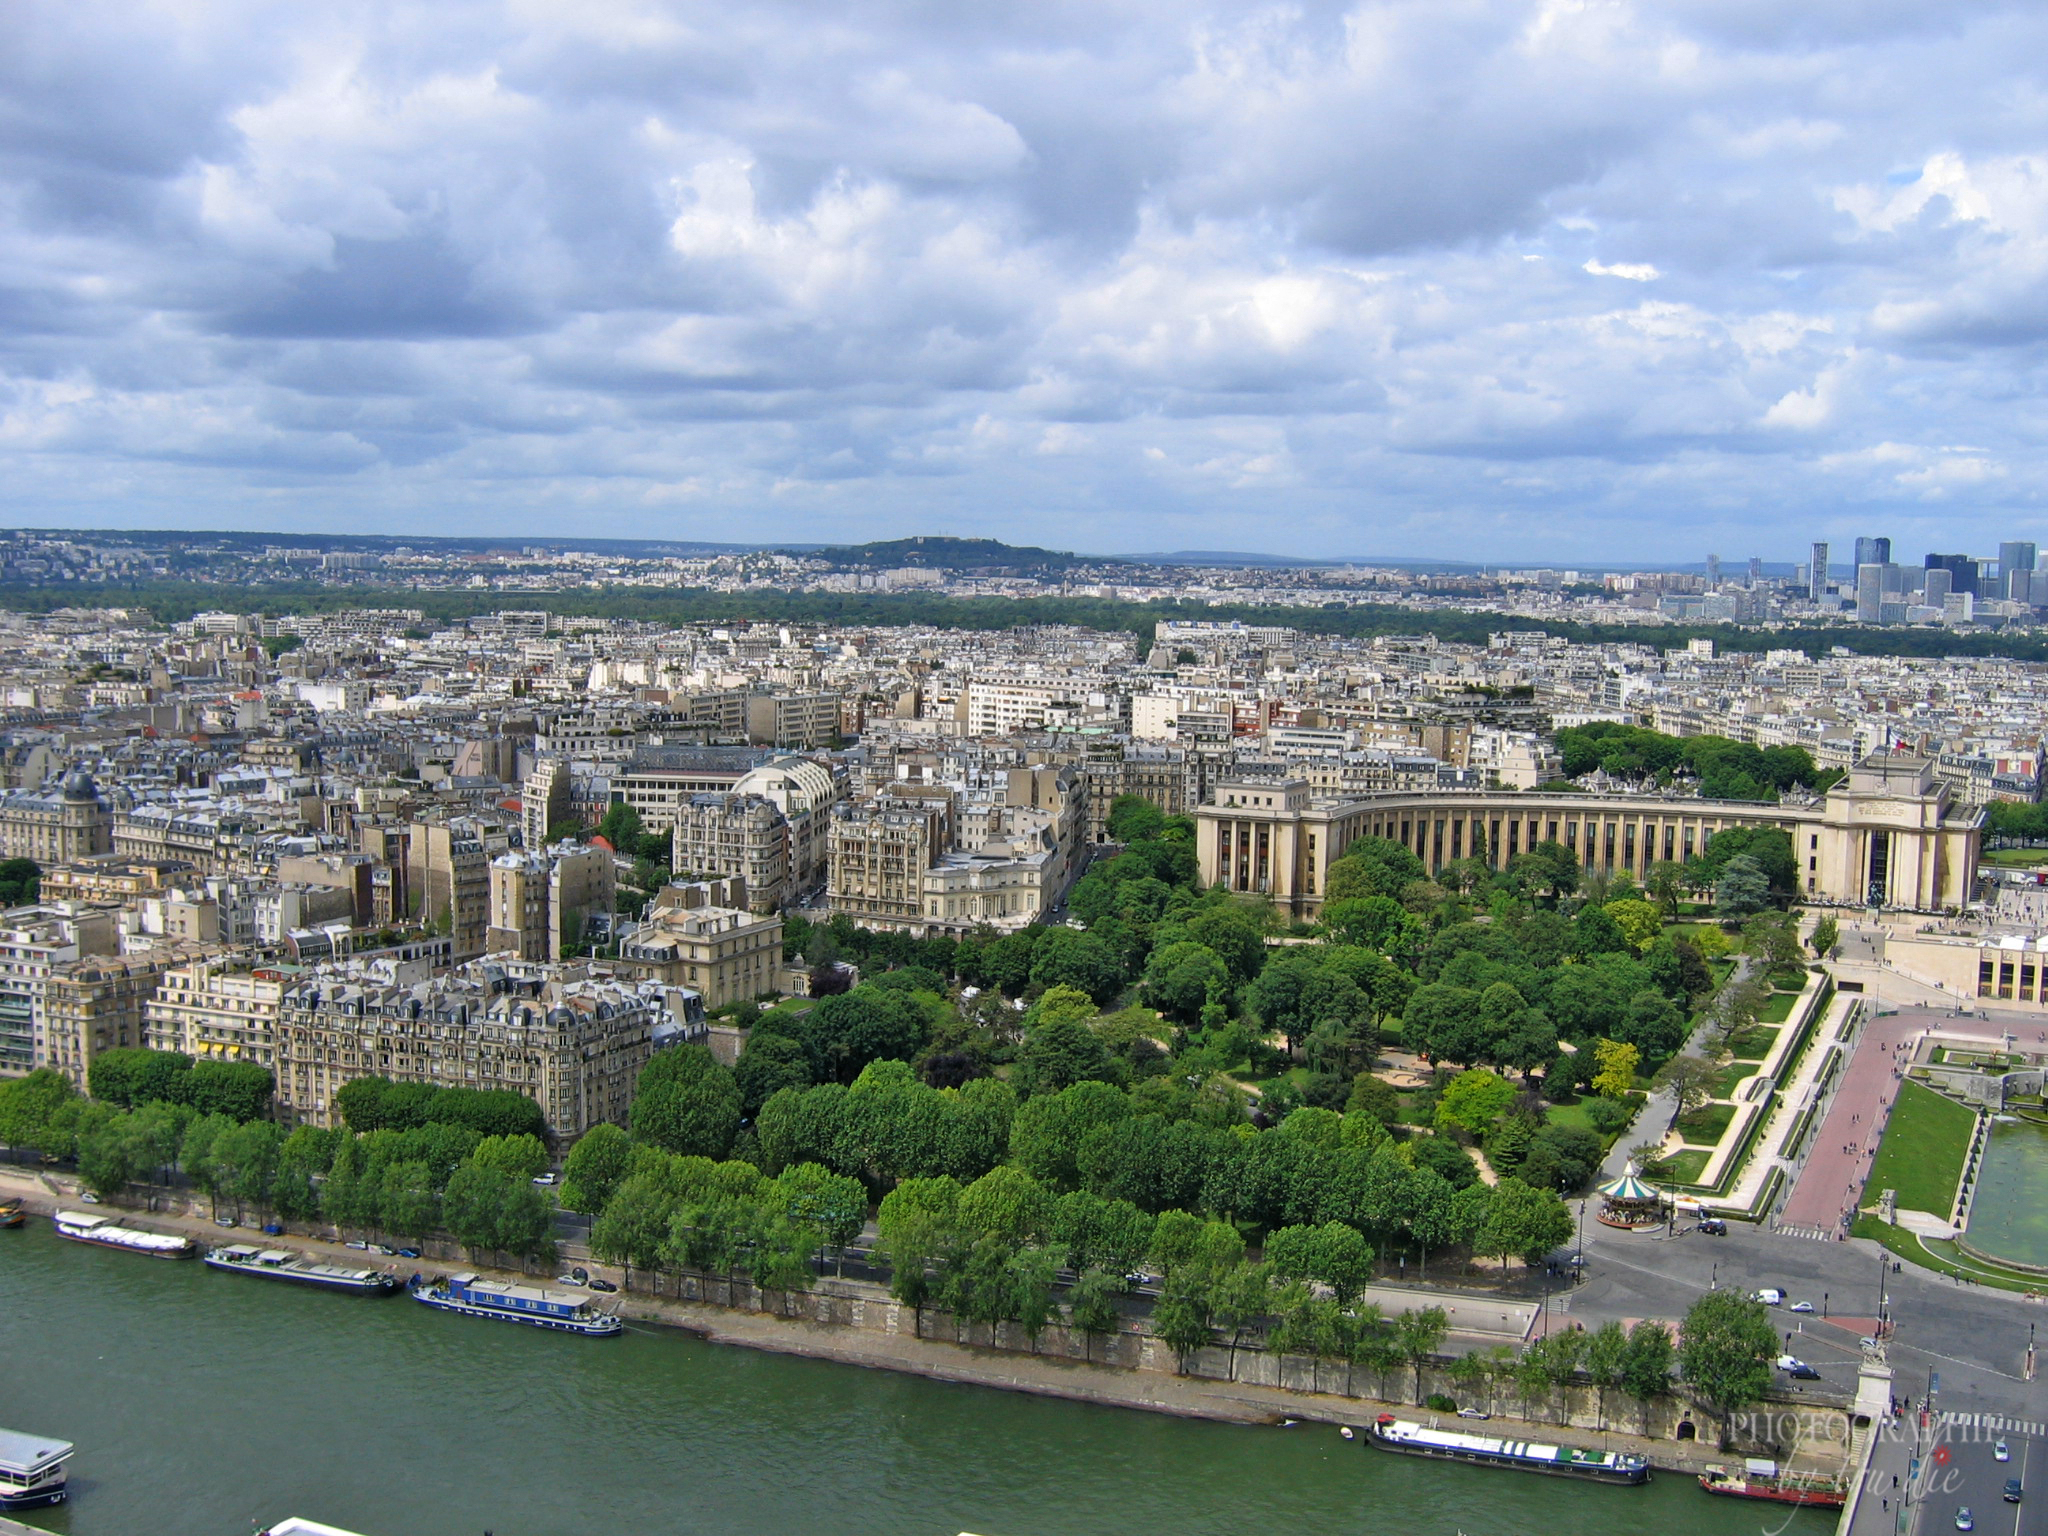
[1557, 279]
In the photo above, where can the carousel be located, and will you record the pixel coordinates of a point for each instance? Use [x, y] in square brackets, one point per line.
[1630, 1201]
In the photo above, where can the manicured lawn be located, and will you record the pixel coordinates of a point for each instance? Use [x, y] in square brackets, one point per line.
[1777, 1008]
[2014, 858]
[1942, 1257]
[1687, 1166]
[1923, 1151]
[1705, 1124]
[1754, 1043]
[1733, 1073]
[1788, 978]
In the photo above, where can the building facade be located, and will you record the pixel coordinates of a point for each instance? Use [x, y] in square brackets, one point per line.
[216, 1009]
[702, 936]
[572, 1043]
[1888, 835]
[56, 825]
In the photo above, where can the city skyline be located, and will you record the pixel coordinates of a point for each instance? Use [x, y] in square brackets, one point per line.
[1545, 283]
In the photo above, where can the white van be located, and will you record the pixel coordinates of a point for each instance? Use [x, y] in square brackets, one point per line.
[1771, 1298]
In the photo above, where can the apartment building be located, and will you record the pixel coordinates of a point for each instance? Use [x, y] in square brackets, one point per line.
[543, 800]
[740, 835]
[702, 936]
[540, 901]
[58, 824]
[110, 880]
[33, 942]
[219, 1007]
[571, 1041]
[93, 1004]
[449, 867]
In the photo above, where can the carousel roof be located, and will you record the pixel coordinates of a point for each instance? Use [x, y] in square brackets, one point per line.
[1629, 1186]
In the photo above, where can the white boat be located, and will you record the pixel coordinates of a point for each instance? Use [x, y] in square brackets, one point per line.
[297, 1527]
[1412, 1439]
[81, 1227]
[281, 1264]
[31, 1470]
[534, 1305]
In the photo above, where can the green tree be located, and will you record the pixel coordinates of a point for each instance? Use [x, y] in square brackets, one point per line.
[408, 1204]
[29, 1104]
[769, 1063]
[918, 1232]
[1725, 1349]
[1420, 1334]
[1524, 1221]
[1473, 1100]
[1606, 1361]
[1827, 937]
[687, 1102]
[303, 1159]
[1007, 1204]
[1183, 976]
[240, 1090]
[595, 1167]
[246, 1158]
[620, 827]
[830, 1207]
[1646, 1367]
[1690, 1081]
[522, 1157]
[473, 1206]
[1667, 885]
[1091, 1306]
[1743, 889]
[1617, 1068]
[19, 881]
[1134, 819]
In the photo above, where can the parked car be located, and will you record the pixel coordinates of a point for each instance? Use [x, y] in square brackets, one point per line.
[567, 1280]
[1800, 1306]
[88, 1197]
[2012, 1490]
[389, 1253]
[408, 1253]
[544, 1178]
[597, 1284]
[357, 1243]
[1965, 1521]
[225, 1221]
[1474, 1413]
[273, 1229]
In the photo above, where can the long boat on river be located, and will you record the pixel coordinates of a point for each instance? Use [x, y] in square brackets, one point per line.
[1412, 1439]
[280, 1264]
[83, 1227]
[31, 1470]
[10, 1213]
[508, 1302]
[1760, 1479]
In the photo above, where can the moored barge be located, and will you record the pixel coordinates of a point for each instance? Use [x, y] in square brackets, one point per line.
[536, 1306]
[31, 1470]
[279, 1264]
[1412, 1439]
[1760, 1479]
[80, 1227]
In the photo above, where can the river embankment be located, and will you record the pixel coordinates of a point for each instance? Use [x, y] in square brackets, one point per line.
[878, 1333]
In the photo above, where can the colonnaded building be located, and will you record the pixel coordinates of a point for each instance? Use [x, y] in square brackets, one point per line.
[1888, 835]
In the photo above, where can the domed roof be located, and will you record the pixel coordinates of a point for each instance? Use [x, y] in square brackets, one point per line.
[78, 785]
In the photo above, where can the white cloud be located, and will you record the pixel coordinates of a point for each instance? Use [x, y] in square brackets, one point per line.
[1634, 271]
[1310, 277]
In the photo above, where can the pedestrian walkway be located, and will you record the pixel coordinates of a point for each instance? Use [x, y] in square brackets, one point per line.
[1997, 1424]
[1844, 1146]
[1818, 1234]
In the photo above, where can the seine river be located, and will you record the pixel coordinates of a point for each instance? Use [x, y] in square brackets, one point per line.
[205, 1404]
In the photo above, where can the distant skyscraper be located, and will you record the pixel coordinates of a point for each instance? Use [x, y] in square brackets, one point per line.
[1869, 593]
[1936, 586]
[1817, 574]
[1756, 570]
[1873, 552]
[2016, 571]
[1713, 570]
[1962, 571]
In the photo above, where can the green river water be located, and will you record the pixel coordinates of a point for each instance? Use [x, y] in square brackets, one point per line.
[206, 1404]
